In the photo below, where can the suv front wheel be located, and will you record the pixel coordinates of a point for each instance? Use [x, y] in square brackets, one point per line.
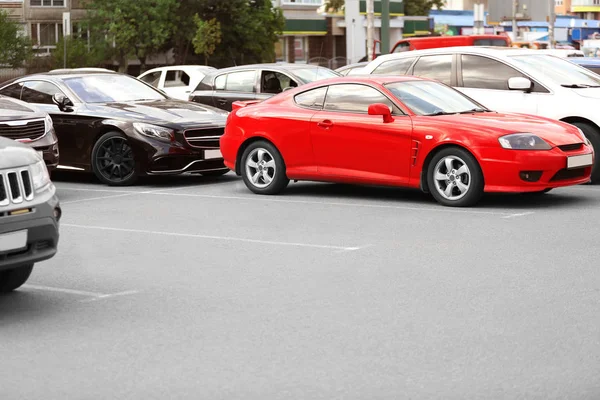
[12, 279]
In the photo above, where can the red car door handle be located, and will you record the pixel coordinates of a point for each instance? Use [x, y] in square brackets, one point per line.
[325, 124]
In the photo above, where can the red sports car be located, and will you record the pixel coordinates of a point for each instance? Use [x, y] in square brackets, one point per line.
[400, 131]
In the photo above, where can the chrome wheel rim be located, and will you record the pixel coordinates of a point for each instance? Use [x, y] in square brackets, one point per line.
[114, 159]
[452, 178]
[260, 168]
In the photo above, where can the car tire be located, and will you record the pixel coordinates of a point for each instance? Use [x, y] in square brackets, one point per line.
[263, 169]
[113, 161]
[14, 278]
[214, 174]
[462, 185]
[593, 135]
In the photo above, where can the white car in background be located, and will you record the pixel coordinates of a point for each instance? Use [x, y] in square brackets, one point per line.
[177, 81]
[509, 80]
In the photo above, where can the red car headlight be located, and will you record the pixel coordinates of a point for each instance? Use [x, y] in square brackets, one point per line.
[523, 141]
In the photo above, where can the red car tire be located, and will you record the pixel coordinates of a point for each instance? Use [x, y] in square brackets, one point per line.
[263, 169]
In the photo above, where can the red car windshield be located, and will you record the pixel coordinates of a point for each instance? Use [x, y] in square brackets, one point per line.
[432, 98]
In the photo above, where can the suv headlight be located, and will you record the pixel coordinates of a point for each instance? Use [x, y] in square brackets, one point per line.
[40, 176]
[154, 131]
[48, 123]
[523, 141]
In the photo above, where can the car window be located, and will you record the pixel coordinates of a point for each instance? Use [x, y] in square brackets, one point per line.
[402, 47]
[220, 82]
[594, 69]
[111, 88]
[275, 82]
[177, 78]
[484, 73]
[39, 92]
[394, 67]
[354, 98]
[152, 78]
[490, 42]
[312, 99]
[242, 81]
[13, 90]
[438, 67]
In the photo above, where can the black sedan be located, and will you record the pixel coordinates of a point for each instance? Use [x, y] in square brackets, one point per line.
[222, 87]
[120, 128]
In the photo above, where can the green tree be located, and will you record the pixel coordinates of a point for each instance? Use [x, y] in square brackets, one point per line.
[80, 54]
[140, 28]
[208, 36]
[14, 48]
[249, 30]
[334, 5]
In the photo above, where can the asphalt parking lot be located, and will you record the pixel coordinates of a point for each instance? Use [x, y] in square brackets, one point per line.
[194, 288]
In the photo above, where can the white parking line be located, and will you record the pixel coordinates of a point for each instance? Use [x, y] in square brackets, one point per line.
[224, 238]
[93, 296]
[96, 198]
[121, 193]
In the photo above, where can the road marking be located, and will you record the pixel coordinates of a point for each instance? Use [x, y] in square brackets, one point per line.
[93, 295]
[518, 215]
[332, 203]
[96, 198]
[210, 237]
[121, 193]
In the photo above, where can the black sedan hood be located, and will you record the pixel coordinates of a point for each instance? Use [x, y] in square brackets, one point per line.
[161, 112]
[14, 110]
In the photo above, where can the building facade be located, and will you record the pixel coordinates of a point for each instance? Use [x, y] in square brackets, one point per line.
[586, 9]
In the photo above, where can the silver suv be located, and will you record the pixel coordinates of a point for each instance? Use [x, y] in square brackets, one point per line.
[29, 213]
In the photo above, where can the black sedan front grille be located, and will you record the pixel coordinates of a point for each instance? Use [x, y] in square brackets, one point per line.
[204, 138]
[30, 130]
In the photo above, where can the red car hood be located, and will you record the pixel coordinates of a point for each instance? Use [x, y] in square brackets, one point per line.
[556, 133]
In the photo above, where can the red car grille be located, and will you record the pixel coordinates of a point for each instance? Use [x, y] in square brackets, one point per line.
[571, 147]
[204, 138]
[31, 130]
[566, 174]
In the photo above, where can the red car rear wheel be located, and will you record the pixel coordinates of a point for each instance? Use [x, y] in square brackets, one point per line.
[263, 168]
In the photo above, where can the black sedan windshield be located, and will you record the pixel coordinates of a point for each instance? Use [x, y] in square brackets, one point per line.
[432, 98]
[109, 88]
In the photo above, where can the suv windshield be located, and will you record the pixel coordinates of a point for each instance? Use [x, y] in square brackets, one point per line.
[558, 70]
[432, 98]
[109, 88]
[314, 74]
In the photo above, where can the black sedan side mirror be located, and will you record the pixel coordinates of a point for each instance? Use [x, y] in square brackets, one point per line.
[62, 101]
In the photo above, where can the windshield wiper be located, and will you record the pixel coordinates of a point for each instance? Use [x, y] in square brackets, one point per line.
[474, 110]
[439, 113]
[578, 85]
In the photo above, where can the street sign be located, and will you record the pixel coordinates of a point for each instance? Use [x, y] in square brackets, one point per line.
[66, 24]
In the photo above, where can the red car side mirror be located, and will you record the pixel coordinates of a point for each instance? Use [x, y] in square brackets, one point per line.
[383, 110]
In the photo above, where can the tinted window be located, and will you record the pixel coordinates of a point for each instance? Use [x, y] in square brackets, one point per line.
[402, 47]
[177, 78]
[313, 98]
[594, 69]
[39, 92]
[220, 82]
[435, 67]
[397, 67]
[275, 82]
[13, 90]
[354, 98]
[490, 42]
[152, 79]
[242, 81]
[485, 73]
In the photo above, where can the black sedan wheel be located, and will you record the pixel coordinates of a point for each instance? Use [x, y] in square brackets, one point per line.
[112, 160]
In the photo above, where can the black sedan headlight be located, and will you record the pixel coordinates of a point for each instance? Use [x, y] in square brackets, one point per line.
[523, 141]
[154, 131]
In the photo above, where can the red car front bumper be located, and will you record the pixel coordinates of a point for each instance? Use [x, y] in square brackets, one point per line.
[506, 170]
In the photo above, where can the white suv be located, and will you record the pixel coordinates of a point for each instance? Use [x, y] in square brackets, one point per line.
[509, 80]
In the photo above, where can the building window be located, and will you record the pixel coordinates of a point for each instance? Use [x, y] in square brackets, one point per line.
[47, 3]
[46, 34]
[301, 50]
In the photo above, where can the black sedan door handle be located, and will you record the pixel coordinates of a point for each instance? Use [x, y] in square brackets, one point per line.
[222, 101]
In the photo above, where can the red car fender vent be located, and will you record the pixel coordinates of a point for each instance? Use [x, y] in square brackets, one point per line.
[241, 104]
[414, 152]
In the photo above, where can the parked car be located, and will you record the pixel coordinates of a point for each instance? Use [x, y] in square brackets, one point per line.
[350, 69]
[510, 80]
[28, 124]
[258, 81]
[121, 128]
[29, 213]
[176, 81]
[400, 131]
[420, 43]
[590, 63]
